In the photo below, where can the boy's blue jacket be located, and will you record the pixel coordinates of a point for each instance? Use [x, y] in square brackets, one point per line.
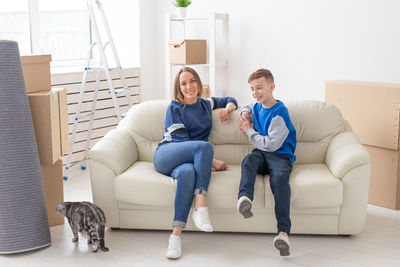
[273, 130]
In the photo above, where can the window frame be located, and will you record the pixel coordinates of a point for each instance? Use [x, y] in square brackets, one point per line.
[34, 31]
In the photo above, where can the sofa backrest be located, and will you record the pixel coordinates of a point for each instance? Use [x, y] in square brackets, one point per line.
[316, 123]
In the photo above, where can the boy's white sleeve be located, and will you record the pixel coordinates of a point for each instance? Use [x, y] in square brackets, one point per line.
[248, 108]
[277, 133]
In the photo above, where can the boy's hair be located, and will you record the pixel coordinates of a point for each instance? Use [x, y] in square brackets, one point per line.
[177, 95]
[261, 73]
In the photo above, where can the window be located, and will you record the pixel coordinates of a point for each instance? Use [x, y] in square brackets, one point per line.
[59, 28]
[63, 29]
[14, 23]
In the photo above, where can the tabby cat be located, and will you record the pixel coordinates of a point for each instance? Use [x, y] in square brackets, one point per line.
[86, 218]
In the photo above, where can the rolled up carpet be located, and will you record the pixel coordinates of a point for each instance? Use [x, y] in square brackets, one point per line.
[23, 217]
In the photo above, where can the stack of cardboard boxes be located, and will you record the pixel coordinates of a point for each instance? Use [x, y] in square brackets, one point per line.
[373, 111]
[50, 121]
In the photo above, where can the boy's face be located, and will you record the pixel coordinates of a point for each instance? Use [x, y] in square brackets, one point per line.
[262, 91]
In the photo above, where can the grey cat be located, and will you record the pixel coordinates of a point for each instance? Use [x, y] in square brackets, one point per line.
[86, 218]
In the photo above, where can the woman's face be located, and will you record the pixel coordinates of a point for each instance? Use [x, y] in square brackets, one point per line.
[188, 87]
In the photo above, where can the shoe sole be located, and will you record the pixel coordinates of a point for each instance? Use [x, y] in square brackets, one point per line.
[200, 228]
[245, 209]
[283, 247]
[204, 230]
[173, 257]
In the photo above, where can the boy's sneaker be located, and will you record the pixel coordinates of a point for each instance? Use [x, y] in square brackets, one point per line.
[281, 242]
[174, 247]
[201, 219]
[244, 207]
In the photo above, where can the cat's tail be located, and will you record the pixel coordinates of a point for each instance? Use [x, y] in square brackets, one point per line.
[101, 239]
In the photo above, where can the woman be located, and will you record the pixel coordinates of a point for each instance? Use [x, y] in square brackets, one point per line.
[185, 153]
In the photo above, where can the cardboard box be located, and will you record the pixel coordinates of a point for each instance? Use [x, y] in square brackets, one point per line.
[53, 189]
[183, 52]
[206, 91]
[384, 187]
[372, 109]
[63, 113]
[46, 122]
[36, 72]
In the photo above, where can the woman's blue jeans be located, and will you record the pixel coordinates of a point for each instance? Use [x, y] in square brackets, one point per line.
[190, 164]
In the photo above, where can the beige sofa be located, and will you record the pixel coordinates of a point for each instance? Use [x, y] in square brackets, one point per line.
[329, 181]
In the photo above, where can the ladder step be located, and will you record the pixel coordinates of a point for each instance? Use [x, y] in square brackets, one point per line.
[101, 68]
[94, 68]
[122, 91]
[86, 115]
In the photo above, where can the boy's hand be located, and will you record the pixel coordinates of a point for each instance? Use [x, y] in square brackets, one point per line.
[224, 114]
[219, 165]
[244, 124]
[246, 115]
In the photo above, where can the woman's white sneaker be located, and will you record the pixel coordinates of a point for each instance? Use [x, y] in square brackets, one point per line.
[201, 219]
[174, 247]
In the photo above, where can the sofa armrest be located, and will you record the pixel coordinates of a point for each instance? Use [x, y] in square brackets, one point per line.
[117, 150]
[345, 153]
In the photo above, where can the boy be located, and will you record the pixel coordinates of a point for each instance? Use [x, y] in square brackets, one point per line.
[274, 137]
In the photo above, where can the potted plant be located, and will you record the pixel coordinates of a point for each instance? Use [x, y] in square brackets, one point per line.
[181, 6]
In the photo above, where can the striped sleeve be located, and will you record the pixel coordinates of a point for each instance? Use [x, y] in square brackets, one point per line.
[175, 130]
[221, 102]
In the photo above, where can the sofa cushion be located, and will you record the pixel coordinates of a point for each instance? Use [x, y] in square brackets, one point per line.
[145, 122]
[142, 184]
[315, 121]
[232, 154]
[224, 188]
[312, 186]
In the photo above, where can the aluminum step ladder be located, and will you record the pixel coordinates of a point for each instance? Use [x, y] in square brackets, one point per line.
[125, 91]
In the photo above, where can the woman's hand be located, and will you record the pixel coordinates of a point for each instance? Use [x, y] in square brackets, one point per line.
[224, 114]
[219, 165]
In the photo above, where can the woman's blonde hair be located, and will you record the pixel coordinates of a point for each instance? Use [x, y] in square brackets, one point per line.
[178, 96]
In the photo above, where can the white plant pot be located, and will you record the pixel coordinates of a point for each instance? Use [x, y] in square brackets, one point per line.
[181, 12]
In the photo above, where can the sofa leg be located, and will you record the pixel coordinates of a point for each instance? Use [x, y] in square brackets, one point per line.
[115, 228]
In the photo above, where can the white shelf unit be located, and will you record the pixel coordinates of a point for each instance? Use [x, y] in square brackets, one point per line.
[212, 62]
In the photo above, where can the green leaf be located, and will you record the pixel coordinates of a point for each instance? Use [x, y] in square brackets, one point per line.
[181, 3]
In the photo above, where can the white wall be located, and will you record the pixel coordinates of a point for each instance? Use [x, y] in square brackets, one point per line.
[123, 20]
[147, 49]
[303, 42]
